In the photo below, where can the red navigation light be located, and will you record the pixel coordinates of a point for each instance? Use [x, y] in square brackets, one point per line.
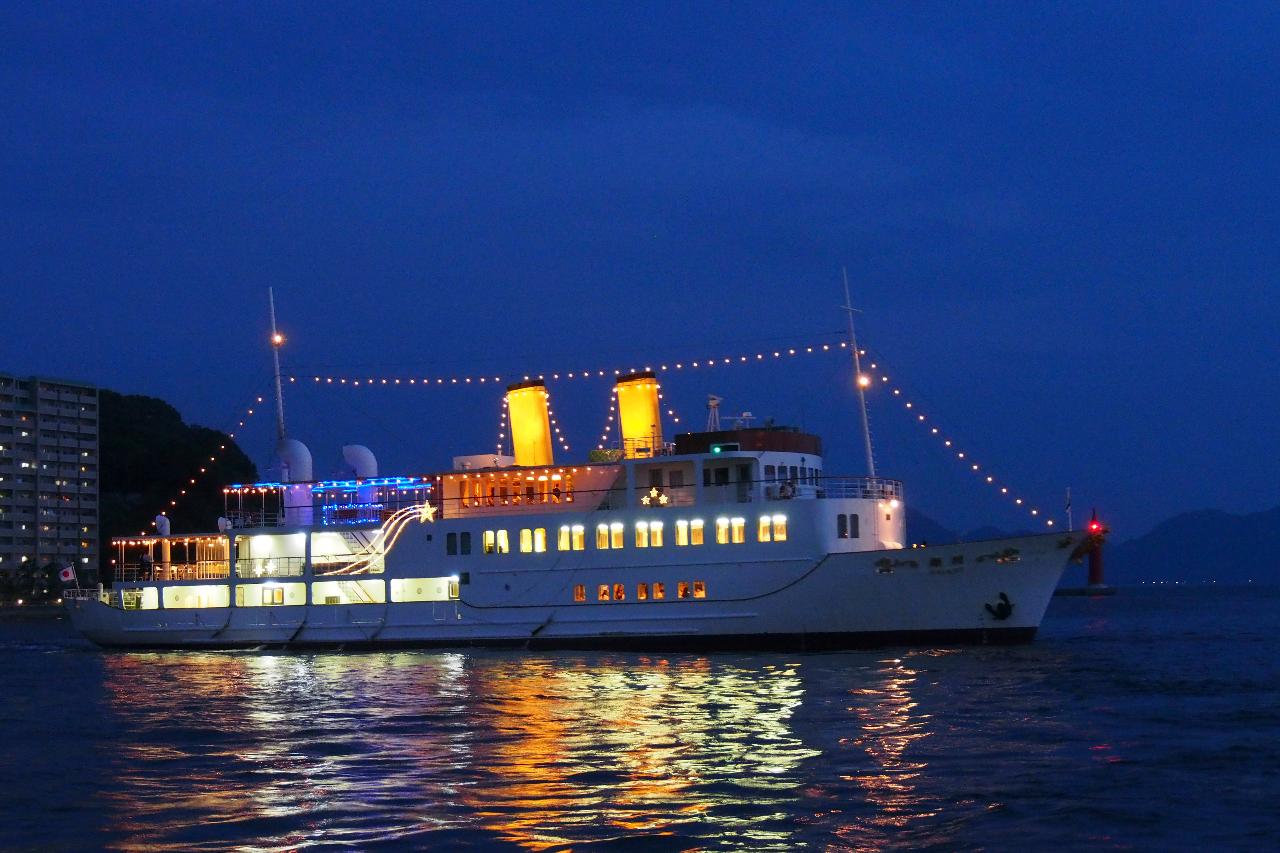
[1095, 527]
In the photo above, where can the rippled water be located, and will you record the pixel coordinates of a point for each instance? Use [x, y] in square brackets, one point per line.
[1150, 720]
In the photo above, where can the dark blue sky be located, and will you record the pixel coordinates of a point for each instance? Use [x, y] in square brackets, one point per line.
[1060, 221]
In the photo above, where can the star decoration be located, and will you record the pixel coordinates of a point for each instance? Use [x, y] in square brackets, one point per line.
[427, 513]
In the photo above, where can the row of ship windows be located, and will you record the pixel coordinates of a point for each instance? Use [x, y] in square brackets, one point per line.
[644, 592]
[612, 536]
[362, 591]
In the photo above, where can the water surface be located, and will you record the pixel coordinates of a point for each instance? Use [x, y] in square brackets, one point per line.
[1150, 720]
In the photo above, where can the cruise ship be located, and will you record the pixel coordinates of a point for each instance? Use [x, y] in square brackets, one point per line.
[726, 538]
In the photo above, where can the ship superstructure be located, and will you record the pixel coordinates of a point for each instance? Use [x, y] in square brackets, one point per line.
[724, 538]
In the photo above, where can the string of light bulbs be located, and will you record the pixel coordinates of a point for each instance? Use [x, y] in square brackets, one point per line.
[249, 412]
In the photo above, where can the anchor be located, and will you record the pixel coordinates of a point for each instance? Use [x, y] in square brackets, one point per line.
[1003, 608]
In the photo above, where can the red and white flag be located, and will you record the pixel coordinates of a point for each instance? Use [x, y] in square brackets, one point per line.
[67, 575]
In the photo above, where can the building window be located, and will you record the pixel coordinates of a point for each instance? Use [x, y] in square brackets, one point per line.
[602, 592]
[615, 534]
[659, 589]
[451, 544]
[699, 589]
[722, 533]
[779, 528]
[562, 540]
[682, 589]
[642, 534]
[739, 526]
[619, 592]
[642, 592]
[466, 543]
[579, 593]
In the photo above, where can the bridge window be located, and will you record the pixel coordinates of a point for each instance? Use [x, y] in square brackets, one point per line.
[579, 593]
[659, 589]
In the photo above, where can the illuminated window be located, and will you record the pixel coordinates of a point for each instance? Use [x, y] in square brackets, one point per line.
[722, 531]
[682, 589]
[579, 593]
[699, 589]
[695, 532]
[455, 591]
[682, 533]
[642, 534]
[562, 540]
[779, 528]
[765, 531]
[619, 592]
[602, 593]
[659, 589]
[539, 540]
[615, 534]
[739, 531]
[655, 534]
[642, 591]
[272, 595]
[526, 540]
[489, 540]
[504, 545]
[602, 537]
[579, 537]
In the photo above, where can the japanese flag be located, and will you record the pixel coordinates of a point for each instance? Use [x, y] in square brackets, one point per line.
[67, 575]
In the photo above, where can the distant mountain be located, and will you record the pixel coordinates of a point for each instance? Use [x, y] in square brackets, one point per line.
[1206, 545]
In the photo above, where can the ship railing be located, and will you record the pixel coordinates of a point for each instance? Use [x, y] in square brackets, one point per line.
[866, 488]
[86, 594]
[270, 567]
[200, 570]
[244, 519]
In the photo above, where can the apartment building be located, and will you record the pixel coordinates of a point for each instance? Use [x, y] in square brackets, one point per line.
[48, 473]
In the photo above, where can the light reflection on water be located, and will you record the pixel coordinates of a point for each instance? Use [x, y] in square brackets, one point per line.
[542, 752]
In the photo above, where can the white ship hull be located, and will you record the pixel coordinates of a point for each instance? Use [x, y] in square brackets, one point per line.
[934, 595]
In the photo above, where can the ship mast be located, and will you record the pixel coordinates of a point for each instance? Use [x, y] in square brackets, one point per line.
[277, 340]
[859, 379]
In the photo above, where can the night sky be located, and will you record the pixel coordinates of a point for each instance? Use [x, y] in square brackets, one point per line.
[1059, 220]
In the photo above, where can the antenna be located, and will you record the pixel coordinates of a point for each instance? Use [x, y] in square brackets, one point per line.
[713, 413]
[859, 379]
[277, 341]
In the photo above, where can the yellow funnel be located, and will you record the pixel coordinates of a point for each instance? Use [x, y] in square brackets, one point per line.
[530, 423]
[639, 414]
